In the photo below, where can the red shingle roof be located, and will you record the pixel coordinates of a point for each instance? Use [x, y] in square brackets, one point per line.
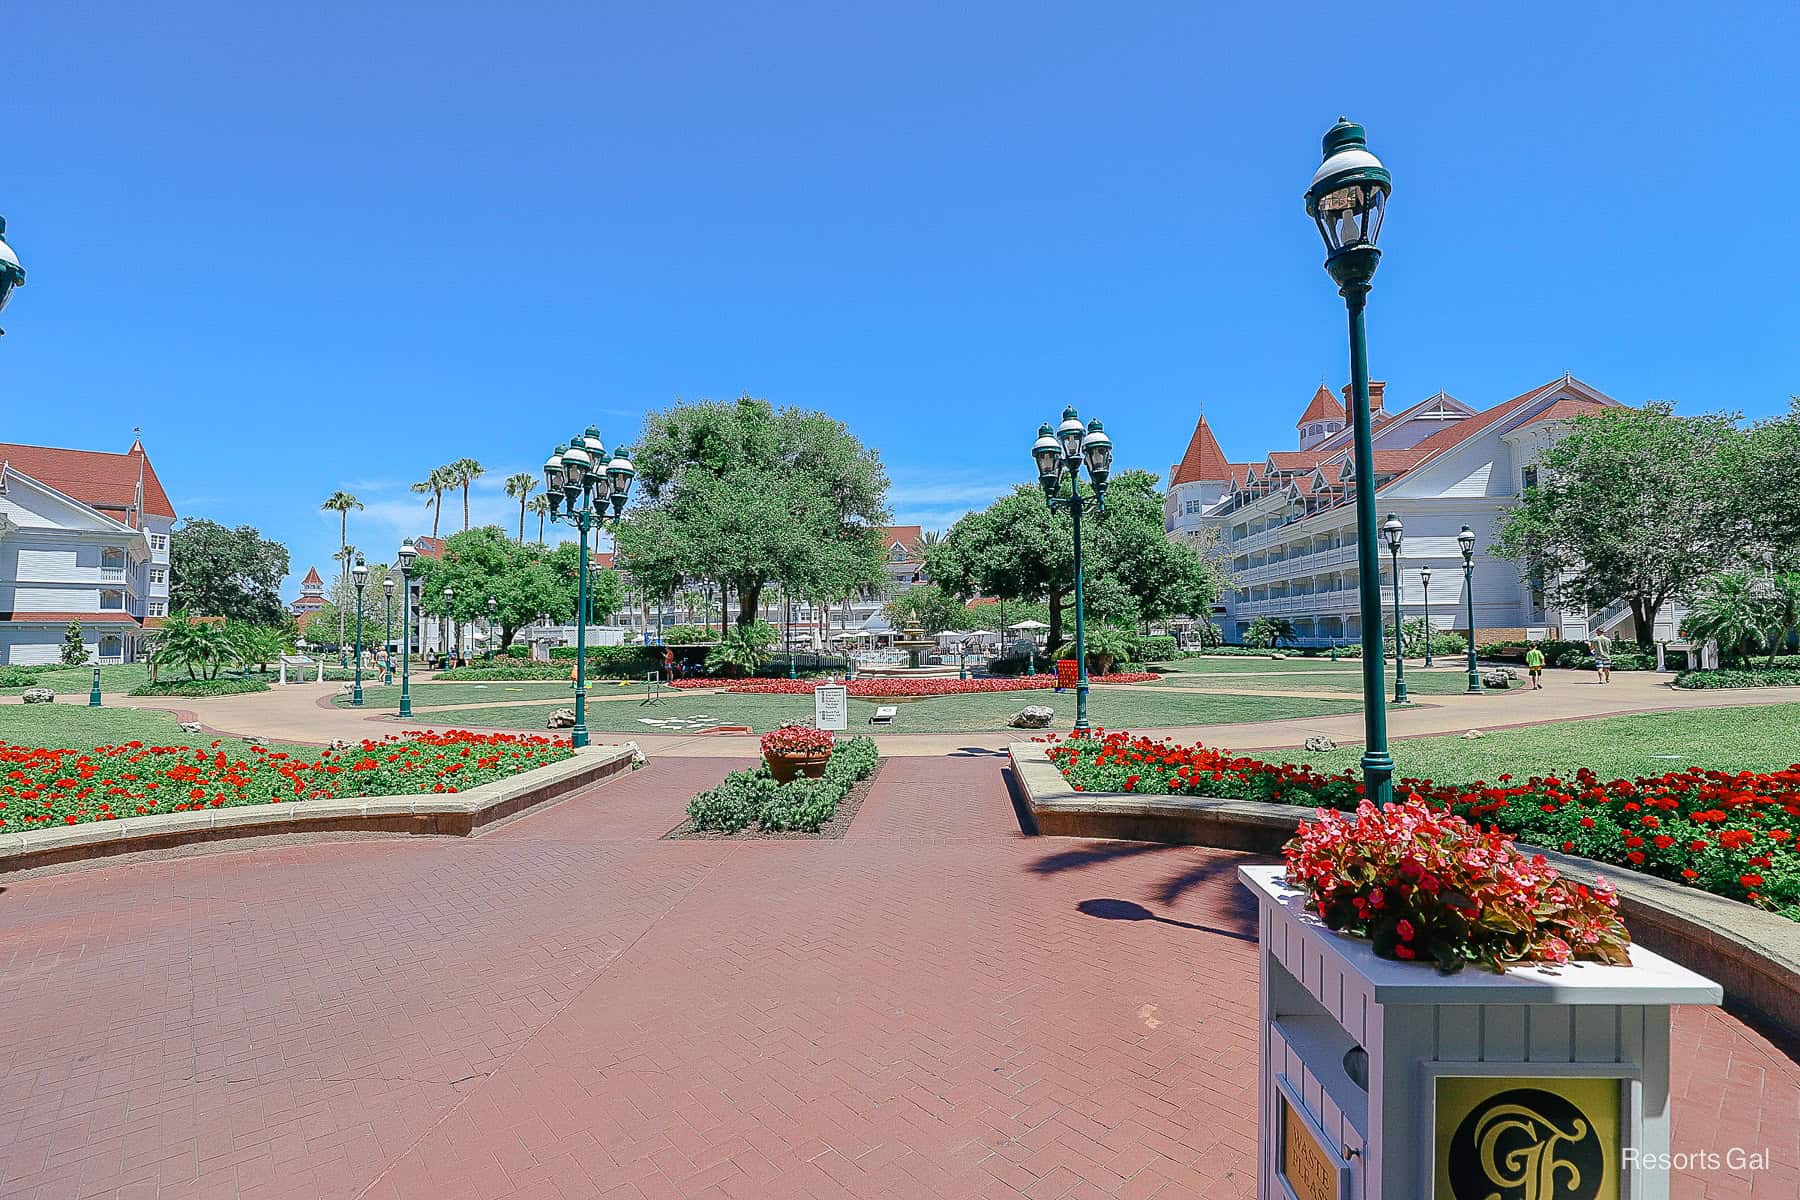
[1324, 407]
[907, 535]
[63, 618]
[429, 547]
[312, 579]
[1203, 460]
[94, 477]
[1298, 460]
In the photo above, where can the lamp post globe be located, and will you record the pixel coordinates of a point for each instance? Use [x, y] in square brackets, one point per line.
[1425, 588]
[405, 556]
[387, 641]
[359, 575]
[1064, 451]
[1347, 199]
[1395, 535]
[1466, 542]
[12, 275]
[587, 484]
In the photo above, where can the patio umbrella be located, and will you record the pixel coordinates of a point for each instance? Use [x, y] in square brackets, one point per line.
[1029, 625]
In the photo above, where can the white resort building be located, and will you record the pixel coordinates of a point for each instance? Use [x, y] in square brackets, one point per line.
[84, 536]
[1285, 524]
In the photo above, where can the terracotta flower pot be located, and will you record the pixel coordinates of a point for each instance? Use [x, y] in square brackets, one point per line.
[788, 767]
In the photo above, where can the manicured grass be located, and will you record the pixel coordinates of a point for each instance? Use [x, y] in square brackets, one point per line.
[1344, 676]
[120, 678]
[444, 695]
[1763, 738]
[980, 712]
[77, 727]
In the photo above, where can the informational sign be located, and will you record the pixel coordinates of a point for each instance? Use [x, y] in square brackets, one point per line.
[831, 706]
[1501, 1137]
[1310, 1170]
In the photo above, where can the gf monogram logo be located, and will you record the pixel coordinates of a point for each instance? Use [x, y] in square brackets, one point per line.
[1526, 1144]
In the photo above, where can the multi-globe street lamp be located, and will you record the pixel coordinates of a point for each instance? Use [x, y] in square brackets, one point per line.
[387, 641]
[1061, 453]
[1395, 534]
[1466, 540]
[406, 554]
[359, 575]
[1425, 586]
[1346, 199]
[12, 275]
[588, 486]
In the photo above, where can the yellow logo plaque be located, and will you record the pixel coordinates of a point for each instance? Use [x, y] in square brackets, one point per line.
[1305, 1164]
[1532, 1138]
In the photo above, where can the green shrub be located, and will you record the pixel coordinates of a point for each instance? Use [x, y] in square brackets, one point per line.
[687, 635]
[1746, 677]
[803, 804]
[741, 650]
[1156, 647]
[508, 672]
[17, 677]
[1107, 642]
[229, 686]
[746, 796]
[734, 803]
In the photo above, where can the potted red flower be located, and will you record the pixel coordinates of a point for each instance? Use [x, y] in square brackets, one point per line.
[1426, 886]
[795, 750]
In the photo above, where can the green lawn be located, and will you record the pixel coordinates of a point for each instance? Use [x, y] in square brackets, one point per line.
[1759, 738]
[978, 712]
[66, 682]
[77, 727]
[442, 695]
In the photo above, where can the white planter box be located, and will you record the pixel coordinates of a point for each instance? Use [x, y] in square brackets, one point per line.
[1557, 1074]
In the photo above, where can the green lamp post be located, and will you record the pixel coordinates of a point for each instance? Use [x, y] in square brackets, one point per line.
[1425, 586]
[1346, 199]
[1395, 535]
[580, 480]
[359, 575]
[1061, 453]
[406, 554]
[387, 641]
[449, 624]
[493, 607]
[1466, 540]
[12, 275]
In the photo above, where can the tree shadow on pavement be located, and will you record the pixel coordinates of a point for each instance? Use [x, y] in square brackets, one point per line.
[1092, 854]
[1125, 910]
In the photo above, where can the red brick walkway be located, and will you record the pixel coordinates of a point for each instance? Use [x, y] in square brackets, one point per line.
[568, 1007]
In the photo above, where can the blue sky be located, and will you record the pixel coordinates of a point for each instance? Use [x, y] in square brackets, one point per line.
[331, 245]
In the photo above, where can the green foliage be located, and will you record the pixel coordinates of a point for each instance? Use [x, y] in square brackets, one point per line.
[928, 606]
[223, 572]
[1443, 641]
[1750, 677]
[1746, 613]
[1017, 549]
[1106, 646]
[1639, 504]
[202, 687]
[74, 650]
[525, 582]
[18, 677]
[741, 650]
[199, 647]
[687, 635]
[753, 796]
[1156, 648]
[750, 495]
[1266, 633]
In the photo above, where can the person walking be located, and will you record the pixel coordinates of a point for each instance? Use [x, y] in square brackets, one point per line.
[1534, 663]
[1603, 656]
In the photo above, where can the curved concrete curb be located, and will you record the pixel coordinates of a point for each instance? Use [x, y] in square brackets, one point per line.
[1754, 954]
[457, 815]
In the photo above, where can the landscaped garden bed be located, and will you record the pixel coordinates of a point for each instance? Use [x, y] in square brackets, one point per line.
[1729, 833]
[888, 688]
[1739, 677]
[751, 804]
[43, 787]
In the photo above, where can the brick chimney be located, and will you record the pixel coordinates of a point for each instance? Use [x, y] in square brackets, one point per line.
[1376, 388]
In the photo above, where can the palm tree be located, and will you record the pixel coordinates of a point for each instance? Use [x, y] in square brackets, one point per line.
[435, 485]
[520, 486]
[1733, 608]
[341, 503]
[541, 506]
[466, 471]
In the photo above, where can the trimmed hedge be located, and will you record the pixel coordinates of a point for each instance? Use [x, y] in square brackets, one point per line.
[743, 797]
[1748, 677]
[1156, 647]
[201, 687]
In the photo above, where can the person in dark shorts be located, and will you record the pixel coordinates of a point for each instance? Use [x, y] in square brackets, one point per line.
[1603, 656]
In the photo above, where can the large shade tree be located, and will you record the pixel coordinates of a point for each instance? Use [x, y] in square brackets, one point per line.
[748, 496]
[225, 572]
[525, 582]
[1018, 550]
[1637, 505]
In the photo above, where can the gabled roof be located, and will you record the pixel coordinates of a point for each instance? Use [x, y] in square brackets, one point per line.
[63, 618]
[1203, 459]
[312, 578]
[1324, 407]
[906, 536]
[1297, 460]
[98, 479]
[429, 547]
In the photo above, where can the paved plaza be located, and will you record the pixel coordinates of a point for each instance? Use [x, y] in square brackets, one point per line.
[568, 1006]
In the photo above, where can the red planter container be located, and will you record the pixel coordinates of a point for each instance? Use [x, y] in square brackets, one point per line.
[788, 767]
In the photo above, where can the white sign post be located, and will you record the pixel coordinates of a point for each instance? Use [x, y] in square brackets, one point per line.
[831, 706]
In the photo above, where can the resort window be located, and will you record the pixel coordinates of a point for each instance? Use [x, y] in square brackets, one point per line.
[158, 575]
[158, 542]
[156, 608]
[1528, 478]
[112, 601]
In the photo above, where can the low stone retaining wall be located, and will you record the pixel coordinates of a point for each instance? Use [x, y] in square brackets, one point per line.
[456, 815]
[1754, 955]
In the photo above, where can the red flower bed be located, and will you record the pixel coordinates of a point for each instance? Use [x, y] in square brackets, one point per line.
[1425, 885]
[1729, 833]
[877, 688]
[43, 787]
